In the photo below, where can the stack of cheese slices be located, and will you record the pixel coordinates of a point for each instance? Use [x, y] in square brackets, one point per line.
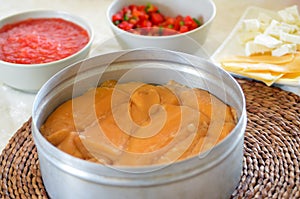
[272, 48]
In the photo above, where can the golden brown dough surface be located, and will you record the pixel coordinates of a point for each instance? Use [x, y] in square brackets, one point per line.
[139, 124]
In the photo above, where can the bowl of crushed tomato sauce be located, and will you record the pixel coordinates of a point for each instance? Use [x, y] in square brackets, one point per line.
[34, 45]
[171, 24]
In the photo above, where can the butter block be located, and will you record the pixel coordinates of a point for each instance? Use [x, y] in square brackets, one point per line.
[284, 49]
[293, 10]
[251, 25]
[287, 16]
[267, 40]
[254, 48]
[244, 37]
[264, 18]
[273, 28]
[291, 38]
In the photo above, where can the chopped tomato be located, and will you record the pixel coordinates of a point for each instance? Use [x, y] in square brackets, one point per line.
[157, 18]
[148, 20]
[133, 21]
[125, 25]
[170, 21]
[145, 23]
[151, 8]
[117, 17]
[183, 29]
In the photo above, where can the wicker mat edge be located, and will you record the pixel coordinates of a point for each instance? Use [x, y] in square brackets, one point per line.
[271, 150]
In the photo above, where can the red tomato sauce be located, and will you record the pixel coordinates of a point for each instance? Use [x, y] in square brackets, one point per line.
[41, 40]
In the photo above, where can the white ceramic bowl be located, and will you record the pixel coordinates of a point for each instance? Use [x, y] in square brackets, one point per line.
[31, 77]
[188, 42]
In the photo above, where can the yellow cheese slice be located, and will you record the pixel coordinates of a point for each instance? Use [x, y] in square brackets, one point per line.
[263, 63]
[294, 66]
[291, 78]
[266, 58]
[253, 67]
[267, 77]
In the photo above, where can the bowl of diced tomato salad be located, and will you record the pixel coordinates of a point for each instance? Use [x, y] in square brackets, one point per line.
[170, 24]
[35, 45]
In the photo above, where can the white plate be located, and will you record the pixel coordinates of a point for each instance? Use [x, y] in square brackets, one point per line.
[232, 46]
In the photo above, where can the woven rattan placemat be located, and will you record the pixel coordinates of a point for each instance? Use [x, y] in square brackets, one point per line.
[271, 150]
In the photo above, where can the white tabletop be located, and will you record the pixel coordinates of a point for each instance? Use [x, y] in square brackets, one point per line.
[15, 106]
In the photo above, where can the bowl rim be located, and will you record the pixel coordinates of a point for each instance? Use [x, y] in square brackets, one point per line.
[114, 2]
[79, 21]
